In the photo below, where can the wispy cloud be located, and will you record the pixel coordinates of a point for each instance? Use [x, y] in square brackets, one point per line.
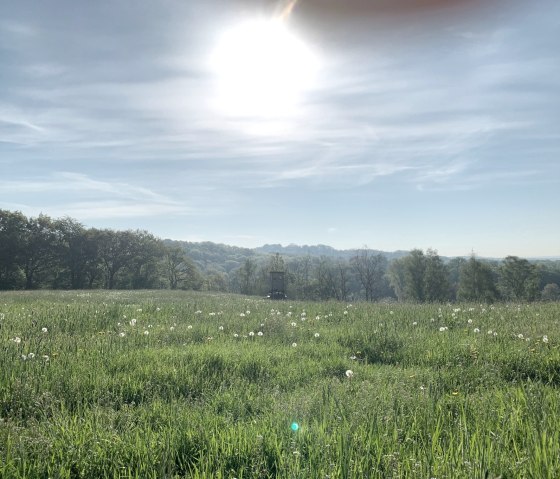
[87, 198]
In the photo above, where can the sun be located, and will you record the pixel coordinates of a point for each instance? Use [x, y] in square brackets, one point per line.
[262, 69]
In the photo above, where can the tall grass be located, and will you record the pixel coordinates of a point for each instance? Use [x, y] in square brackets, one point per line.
[170, 384]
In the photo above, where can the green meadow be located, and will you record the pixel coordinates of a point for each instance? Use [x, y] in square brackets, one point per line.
[160, 384]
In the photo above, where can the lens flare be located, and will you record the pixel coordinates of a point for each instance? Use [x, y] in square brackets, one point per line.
[294, 426]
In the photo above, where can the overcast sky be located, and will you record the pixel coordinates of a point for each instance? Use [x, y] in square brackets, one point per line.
[420, 126]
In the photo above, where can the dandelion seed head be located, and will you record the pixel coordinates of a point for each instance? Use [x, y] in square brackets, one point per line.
[294, 345]
[260, 333]
[122, 335]
[146, 332]
[44, 330]
[316, 335]
[349, 373]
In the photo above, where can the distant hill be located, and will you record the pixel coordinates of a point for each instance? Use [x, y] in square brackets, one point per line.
[210, 256]
[320, 250]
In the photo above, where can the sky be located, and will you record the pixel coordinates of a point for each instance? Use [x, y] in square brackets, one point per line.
[389, 124]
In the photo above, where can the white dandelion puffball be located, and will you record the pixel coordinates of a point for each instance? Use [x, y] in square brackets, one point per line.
[476, 330]
[260, 333]
[121, 335]
[251, 333]
[545, 339]
[349, 373]
[316, 335]
[294, 345]
[146, 333]
[44, 330]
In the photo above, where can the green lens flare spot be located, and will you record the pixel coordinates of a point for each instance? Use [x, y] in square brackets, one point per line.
[294, 426]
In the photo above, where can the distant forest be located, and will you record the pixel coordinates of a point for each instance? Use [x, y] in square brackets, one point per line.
[47, 253]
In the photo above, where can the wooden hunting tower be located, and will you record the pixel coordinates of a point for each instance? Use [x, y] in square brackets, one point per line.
[277, 285]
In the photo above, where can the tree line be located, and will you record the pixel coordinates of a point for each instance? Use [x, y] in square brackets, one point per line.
[61, 253]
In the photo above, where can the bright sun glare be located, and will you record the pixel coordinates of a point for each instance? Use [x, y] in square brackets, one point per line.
[262, 69]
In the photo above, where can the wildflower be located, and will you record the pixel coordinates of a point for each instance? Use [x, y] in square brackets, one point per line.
[414, 323]
[212, 314]
[294, 345]
[121, 335]
[44, 330]
[198, 312]
[495, 333]
[469, 321]
[132, 322]
[150, 326]
[247, 312]
[391, 312]
[545, 339]
[172, 328]
[189, 326]
[16, 340]
[349, 373]
[490, 331]
[353, 358]
[520, 336]
[251, 333]
[442, 329]
[476, 330]
[293, 324]
[139, 310]
[31, 355]
[345, 312]
[242, 315]
[146, 332]
[118, 324]
[236, 335]
[24, 357]
[316, 335]
[158, 309]
[221, 328]
[45, 357]
[260, 333]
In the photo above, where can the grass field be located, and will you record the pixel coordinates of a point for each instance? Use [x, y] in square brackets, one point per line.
[172, 384]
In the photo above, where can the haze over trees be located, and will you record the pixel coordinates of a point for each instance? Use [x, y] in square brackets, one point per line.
[46, 253]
